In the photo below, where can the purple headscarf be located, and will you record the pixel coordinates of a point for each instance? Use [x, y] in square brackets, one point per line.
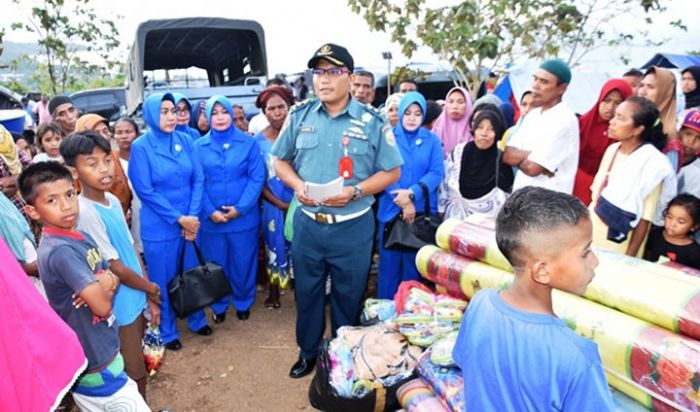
[454, 132]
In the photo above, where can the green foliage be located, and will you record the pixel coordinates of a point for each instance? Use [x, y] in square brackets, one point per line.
[474, 35]
[63, 33]
[401, 73]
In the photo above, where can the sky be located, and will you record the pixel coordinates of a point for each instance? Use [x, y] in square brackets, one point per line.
[295, 29]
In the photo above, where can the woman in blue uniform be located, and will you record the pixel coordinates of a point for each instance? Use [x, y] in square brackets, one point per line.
[184, 111]
[234, 174]
[421, 151]
[163, 174]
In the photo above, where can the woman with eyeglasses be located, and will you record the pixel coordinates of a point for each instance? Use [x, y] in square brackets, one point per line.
[164, 176]
[183, 110]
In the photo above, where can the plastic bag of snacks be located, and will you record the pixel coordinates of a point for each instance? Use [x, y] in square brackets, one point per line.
[377, 310]
[153, 349]
[427, 317]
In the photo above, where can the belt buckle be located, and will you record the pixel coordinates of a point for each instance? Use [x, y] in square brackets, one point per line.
[321, 217]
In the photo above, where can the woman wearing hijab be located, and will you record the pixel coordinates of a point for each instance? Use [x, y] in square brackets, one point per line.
[593, 131]
[476, 179]
[234, 174]
[659, 86]
[423, 165]
[689, 83]
[452, 127]
[274, 103]
[163, 174]
[391, 108]
[198, 120]
[184, 113]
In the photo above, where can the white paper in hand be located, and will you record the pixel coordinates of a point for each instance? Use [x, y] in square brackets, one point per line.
[320, 191]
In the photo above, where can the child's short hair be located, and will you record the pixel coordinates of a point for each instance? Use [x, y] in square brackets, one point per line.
[534, 209]
[38, 174]
[690, 203]
[82, 143]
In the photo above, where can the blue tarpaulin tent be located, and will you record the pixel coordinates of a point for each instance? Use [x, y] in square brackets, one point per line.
[672, 61]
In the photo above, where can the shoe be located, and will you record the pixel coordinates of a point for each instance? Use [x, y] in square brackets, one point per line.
[302, 367]
[205, 331]
[174, 345]
[243, 314]
[218, 317]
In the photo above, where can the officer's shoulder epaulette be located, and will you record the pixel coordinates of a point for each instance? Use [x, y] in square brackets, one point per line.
[373, 111]
[302, 104]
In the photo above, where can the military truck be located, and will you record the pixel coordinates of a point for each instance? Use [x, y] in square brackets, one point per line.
[198, 57]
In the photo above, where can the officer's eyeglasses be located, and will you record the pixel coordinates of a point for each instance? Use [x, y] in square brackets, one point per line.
[333, 72]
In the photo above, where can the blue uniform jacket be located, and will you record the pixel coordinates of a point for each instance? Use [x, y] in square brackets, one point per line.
[422, 162]
[163, 174]
[234, 175]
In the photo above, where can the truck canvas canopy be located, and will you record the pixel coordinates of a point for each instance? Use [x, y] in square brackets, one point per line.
[193, 55]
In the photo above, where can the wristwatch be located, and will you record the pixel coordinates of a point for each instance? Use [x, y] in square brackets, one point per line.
[358, 192]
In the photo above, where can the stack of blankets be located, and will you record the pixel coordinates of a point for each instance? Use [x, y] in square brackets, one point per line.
[645, 318]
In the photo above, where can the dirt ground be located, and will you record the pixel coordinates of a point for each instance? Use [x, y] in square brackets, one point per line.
[242, 366]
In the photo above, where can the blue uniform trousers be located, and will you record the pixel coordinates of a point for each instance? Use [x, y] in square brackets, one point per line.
[395, 266]
[342, 250]
[162, 259]
[237, 253]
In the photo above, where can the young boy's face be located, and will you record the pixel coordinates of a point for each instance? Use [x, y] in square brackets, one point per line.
[96, 170]
[55, 205]
[691, 143]
[572, 269]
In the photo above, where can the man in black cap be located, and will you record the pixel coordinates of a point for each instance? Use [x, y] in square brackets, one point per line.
[322, 140]
[64, 114]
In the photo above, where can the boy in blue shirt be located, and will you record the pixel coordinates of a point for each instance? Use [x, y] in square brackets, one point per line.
[514, 352]
[79, 287]
[88, 155]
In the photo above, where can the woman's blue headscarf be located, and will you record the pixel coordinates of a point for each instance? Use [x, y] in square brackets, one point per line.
[196, 112]
[232, 130]
[185, 128]
[151, 112]
[409, 99]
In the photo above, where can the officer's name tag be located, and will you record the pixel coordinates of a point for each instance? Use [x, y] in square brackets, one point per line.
[306, 129]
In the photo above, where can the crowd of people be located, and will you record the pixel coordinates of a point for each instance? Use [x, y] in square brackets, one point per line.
[103, 216]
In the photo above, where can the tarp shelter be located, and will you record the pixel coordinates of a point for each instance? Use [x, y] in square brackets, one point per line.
[581, 94]
[672, 61]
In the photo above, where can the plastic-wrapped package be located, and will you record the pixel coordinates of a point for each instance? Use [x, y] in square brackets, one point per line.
[441, 351]
[658, 294]
[377, 310]
[655, 367]
[362, 368]
[446, 382]
[153, 349]
[427, 317]
[416, 396]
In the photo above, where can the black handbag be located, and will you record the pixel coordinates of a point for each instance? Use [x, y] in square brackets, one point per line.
[399, 235]
[197, 287]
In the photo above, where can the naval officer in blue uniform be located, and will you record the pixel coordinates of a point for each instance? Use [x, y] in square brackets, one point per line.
[323, 139]
[163, 174]
[234, 174]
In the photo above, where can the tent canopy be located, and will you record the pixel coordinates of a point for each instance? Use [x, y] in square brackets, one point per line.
[672, 61]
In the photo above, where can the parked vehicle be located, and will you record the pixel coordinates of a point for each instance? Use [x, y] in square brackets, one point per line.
[198, 57]
[9, 99]
[109, 103]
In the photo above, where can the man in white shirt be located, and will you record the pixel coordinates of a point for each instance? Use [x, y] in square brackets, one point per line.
[546, 147]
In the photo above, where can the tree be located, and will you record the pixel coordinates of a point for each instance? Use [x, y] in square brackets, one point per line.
[475, 36]
[66, 31]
